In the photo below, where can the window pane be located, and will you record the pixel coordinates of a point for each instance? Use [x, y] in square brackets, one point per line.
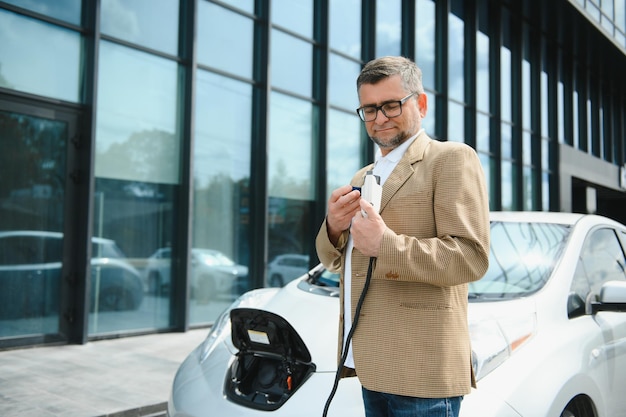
[342, 82]
[507, 185]
[292, 62]
[137, 172]
[345, 26]
[32, 196]
[228, 50]
[482, 132]
[149, 23]
[425, 41]
[343, 150]
[221, 168]
[296, 16]
[30, 65]
[388, 27]
[67, 10]
[456, 50]
[291, 159]
[456, 122]
[137, 136]
[482, 60]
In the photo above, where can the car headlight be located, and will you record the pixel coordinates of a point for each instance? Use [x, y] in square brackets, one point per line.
[494, 341]
[221, 328]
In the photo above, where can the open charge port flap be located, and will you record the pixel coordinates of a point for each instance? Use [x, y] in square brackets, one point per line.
[272, 362]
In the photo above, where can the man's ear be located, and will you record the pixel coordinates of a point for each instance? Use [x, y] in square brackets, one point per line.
[422, 104]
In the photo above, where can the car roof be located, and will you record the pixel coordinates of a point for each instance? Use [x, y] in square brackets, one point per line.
[552, 217]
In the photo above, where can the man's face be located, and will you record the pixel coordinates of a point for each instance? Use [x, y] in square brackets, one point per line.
[388, 133]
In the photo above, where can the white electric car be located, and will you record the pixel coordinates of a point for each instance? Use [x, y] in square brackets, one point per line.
[547, 322]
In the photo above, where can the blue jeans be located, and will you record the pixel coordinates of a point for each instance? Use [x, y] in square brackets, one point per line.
[378, 404]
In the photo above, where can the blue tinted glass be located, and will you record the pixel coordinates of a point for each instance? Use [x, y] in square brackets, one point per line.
[29, 64]
[221, 203]
[425, 41]
[296, 16]
[137, 135]
[292, 61]
[342, 82]
[388, 27]
[150, 23]
[456, 46]
[219, 46]
[291, 158]
[456, 117]
[343, 156]
[66, 10]
[345, 26]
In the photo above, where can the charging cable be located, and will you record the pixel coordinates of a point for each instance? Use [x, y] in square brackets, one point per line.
[371, 191]
[346, 348]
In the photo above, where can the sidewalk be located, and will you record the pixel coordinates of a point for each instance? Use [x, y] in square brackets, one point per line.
[124, 377]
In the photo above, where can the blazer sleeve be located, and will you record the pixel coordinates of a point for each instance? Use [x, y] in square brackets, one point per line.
[455, 247]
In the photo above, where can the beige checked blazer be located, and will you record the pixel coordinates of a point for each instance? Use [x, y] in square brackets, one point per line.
[412, 338]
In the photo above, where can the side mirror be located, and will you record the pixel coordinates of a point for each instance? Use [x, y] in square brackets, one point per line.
[612, 297]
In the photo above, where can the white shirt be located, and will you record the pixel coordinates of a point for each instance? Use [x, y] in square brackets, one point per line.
[383, 167]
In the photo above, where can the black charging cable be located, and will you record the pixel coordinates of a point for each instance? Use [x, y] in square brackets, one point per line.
[344, 354]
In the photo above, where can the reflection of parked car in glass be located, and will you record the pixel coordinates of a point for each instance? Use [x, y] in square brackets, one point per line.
[212, 273]
[547, 325]
[30, 271]
[285, 268]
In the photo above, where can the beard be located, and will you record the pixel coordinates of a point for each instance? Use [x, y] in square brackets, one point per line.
[392, 143]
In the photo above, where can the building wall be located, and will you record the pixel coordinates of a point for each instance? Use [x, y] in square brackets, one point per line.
[203, 138]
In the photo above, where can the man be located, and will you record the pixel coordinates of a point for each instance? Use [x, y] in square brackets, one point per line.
[411, 348]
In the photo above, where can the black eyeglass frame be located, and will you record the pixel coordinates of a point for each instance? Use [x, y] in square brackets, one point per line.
[400, 102]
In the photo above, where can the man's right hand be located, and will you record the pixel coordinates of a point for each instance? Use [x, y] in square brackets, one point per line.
[343, 204]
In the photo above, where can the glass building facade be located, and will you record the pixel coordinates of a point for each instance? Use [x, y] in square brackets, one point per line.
[160, 157]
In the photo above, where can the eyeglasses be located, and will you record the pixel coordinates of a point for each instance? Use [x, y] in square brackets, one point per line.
[390, 109]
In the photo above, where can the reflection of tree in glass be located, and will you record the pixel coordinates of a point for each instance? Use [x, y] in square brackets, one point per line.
[148, 155]
[3, 81]
[282, 184]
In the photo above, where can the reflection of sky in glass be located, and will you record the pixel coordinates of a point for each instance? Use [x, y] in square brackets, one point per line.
[482, 71]
[67, 10]
[388, 27]
[482, 132]
[345, 26]
[290, 158]
[425, 41]
[343, 148]
[506, 148]
[507, 185]
[228, 50]
[29, 64]
[222, 119]
[137, 92]
[151, 23]
[292, 62]
[505, 83]
[456, 45]
[526, 94]
[342, 75]
[296, 16]
[456, 124]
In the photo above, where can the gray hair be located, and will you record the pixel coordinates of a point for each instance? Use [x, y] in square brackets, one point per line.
[382, 68]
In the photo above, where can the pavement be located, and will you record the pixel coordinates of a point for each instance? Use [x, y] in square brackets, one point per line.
[124, 377]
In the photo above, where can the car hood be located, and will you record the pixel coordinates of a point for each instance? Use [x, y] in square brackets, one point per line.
[314, 316]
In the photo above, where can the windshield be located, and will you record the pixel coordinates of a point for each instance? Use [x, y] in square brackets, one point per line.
[521, 259]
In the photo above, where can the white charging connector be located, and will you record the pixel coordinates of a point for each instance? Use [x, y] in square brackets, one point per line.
[372, 191]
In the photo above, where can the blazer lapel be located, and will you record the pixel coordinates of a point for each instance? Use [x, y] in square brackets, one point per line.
[404, 169]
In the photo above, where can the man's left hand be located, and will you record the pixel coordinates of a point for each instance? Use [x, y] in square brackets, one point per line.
[367, 231]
